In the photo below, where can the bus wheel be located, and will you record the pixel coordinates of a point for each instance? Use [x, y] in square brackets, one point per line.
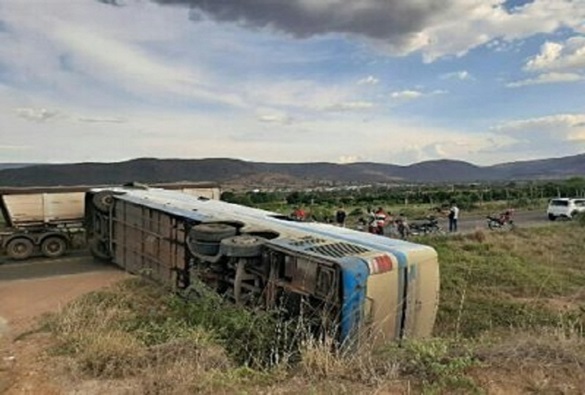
[19, 248]
[103, 200]
[208, 248]
[213, 232]
[244, 246]
[99, 249]
[53, 247]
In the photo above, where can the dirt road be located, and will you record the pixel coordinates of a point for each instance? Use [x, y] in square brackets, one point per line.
[29, 289]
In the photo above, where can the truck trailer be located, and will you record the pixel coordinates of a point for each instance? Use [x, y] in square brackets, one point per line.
[46, 220]
[256, 258]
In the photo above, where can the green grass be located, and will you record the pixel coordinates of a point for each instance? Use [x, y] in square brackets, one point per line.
[511, 303]
[503, 280]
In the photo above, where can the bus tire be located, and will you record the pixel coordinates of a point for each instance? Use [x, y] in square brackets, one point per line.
[213, 232]
[244, 246]
[99, 249]
[208, 248]
[102, 201]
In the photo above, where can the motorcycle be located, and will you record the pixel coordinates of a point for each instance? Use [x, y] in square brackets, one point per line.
[402, 227]
[503, 221]
[429, 226]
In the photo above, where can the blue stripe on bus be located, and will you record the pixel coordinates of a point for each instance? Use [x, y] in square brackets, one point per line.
[354, 276]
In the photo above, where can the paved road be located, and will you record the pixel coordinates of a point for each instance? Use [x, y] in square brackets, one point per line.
[471, 222]
[77, 263]
[522, 219]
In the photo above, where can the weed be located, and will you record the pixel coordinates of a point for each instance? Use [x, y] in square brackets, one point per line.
[580, 219]
[507, 280]
[510, 299]
[438, 364]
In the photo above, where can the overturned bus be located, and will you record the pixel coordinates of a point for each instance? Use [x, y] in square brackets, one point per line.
[358, 281]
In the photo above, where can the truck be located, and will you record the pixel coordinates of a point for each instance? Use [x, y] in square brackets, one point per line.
[47, 220]
[345, 279]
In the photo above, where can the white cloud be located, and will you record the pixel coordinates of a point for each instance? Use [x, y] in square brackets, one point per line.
[437, 29]
[36, 114]
[567, 56]
[546, 130]
[89, 45]
[345, 159]
[459, 75]
[406, 95]
[349, 106]
[547, 78]
[146, 78]
[277, 118]
[261, 136]
[305, 95]
[469, 24]
[412, 94]
[101, 120]
[133, 68]
[369, 80]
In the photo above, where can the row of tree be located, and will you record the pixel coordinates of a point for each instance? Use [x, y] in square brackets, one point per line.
[467, 196]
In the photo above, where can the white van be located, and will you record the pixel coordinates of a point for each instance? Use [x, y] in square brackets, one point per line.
[565, 208]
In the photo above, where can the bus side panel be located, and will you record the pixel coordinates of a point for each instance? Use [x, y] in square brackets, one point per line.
[386, 305]
[423, 294]
[148, 242]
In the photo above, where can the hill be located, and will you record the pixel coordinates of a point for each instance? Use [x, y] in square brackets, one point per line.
[14, 165]
[243, 173]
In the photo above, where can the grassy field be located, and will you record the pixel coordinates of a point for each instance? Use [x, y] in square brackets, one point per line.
[511, 320]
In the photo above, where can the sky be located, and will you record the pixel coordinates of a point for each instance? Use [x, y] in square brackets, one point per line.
[387, 81]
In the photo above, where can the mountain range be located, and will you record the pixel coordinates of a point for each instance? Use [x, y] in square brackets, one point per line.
[241, 173]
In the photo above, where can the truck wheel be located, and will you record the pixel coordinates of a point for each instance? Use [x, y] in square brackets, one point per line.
[551, 217]
[53, 247]
[244, 246]
[19, 248]
[103, 201]
[212, 232]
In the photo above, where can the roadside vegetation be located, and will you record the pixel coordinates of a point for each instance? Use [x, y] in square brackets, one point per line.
[414, 201]
[511, 320]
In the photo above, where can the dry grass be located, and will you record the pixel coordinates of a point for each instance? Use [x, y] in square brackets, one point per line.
[511, 320]
[127, 333]
[321, 360]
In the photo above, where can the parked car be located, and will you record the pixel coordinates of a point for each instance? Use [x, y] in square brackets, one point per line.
[565, 208]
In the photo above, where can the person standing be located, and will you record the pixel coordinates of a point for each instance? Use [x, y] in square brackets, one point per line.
[340, 217]
[453, 217]
[381, 220]
[371, 221]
